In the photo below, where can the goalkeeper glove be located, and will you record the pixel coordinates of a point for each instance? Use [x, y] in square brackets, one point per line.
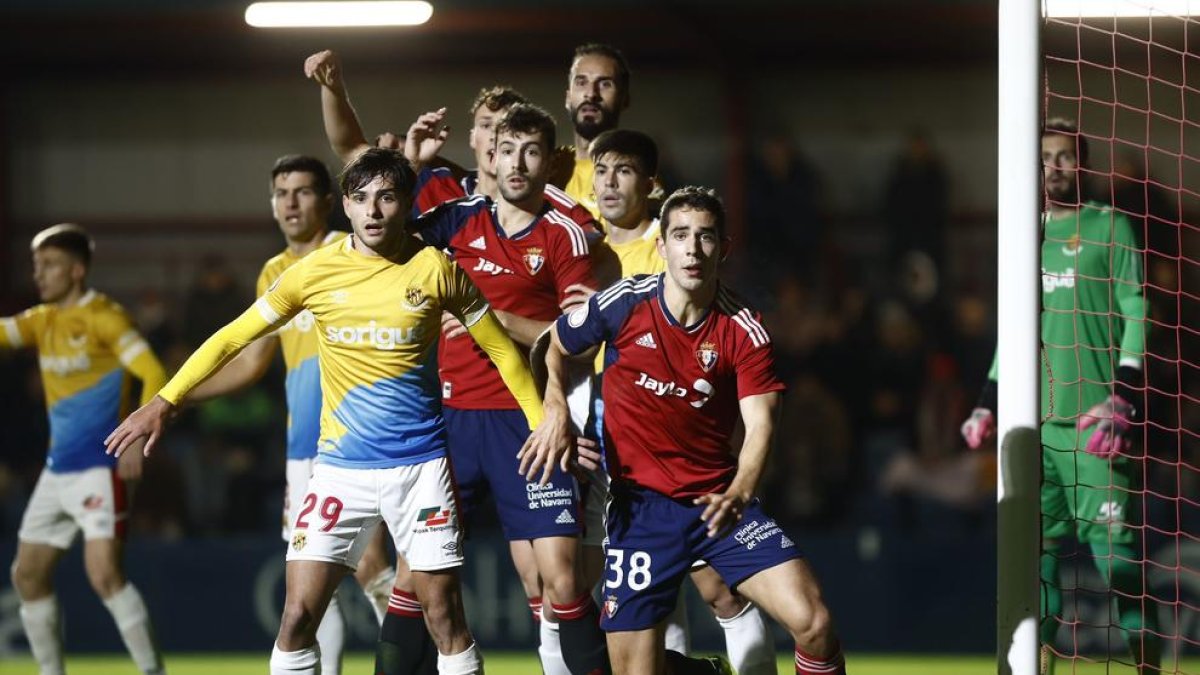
[981, 425]
[1114, 416]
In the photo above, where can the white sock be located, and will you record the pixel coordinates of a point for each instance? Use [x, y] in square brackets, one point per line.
[467, 662]
[748, 642]
[44, 630]
[678, 637]
[550, 649]
[129, 612]
[331, 636]
[303, 662]
[378, 590]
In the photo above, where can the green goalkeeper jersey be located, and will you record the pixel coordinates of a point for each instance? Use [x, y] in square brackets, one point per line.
[1093, 310]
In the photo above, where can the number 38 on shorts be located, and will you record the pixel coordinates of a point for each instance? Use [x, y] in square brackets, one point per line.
[628, 568]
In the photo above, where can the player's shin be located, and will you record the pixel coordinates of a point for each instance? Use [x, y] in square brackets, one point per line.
[549, 641]
[43, 628]
[583, 645]
[748, 642]
[305, 661]
[405, 647]
[1119, 563]
[133, 621]
[331, 635]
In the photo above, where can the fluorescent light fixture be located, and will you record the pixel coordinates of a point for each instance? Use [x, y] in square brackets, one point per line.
[1121, 8]
[338, 14]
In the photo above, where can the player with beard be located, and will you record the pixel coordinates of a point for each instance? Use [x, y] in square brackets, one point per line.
[597, 94]
[1093, 343]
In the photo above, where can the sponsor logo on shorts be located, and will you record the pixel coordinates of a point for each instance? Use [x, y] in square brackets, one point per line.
[706, 356]
[786, 542]
[93, 502]
[756, 532]
[1112, 513]
[451, 547]
[565, 518]
[610, 606]
[534, 259]
[299, 539]
[547, 496]
[433, 516]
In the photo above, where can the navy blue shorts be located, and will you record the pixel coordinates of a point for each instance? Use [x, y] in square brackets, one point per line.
[483, 453]
[653, 541]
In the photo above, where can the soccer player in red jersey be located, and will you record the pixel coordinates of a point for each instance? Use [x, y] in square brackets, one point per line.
[526, 257]
[683, 357]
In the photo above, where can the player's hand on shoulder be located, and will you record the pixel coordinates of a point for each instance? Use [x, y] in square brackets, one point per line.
[426, 137]
[549, 445]
[722, 510]
[576, 295]
[451, 326]
[147, 422]
[979, 427]
[325, 69]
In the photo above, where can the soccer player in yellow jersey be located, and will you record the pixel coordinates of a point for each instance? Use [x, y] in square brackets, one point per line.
[626, 165]
[597, 93]
[301, 201]
[87, 349]
[376, 301]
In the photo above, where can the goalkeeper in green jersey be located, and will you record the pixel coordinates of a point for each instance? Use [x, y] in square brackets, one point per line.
[1093, 340]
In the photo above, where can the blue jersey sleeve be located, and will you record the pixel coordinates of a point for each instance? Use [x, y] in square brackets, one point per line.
[438, 225]
[601, 319]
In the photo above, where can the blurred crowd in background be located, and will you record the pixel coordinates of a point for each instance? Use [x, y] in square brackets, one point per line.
[884, 339]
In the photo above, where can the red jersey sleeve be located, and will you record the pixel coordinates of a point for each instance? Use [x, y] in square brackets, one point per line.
[572, 254]
[755, 363]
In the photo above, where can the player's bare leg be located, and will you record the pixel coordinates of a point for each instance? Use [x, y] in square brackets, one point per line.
[102, 562]
[583, 645]
[748, 641]
[440, 595]
[549, 640]
[374, 573]
[790, 594]
[638, 652]
[33, 578]
[405, 647]
[310, 585]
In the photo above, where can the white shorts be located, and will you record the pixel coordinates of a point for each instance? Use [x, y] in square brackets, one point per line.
[93, 500]
[341, 508]
[297, 472]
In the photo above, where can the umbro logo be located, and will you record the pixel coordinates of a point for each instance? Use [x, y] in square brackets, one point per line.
[647, 341]
[786, 543]
[565, 518]
[478, 243]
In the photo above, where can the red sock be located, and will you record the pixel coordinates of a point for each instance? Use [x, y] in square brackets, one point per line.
[834, 664]
[535, 606]
[404, 604]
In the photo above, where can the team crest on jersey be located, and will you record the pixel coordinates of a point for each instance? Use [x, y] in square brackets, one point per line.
[433, 516]
[534, 259]
[415, 299]
[76, 331]
[706, 356]
[1072, 246]
[610, 605]
[299, 539]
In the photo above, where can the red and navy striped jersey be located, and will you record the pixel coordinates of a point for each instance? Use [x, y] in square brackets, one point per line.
[671, 392]
[438, 185]
[526, 274]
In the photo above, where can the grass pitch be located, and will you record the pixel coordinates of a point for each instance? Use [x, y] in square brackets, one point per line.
[506, 663]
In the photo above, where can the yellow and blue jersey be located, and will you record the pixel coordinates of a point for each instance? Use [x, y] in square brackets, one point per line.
[377, 323]
[639, 256]
[298, 341]
[86, 352]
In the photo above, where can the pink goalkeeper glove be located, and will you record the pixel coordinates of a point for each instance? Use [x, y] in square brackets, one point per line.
[1112, 419]
[979, 427]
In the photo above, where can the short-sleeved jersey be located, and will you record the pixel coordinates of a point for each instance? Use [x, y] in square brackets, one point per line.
[1093, 309]
[82, 351]
[438, 186]
[671, 392]
[580, 186]
[298, 341]
[526, 274]
[377, 323]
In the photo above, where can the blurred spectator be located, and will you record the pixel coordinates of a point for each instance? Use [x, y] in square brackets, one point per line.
[917, 202]
[783, 202]
[213, 301]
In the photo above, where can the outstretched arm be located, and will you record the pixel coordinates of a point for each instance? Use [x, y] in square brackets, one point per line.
[342, 128]
[722, 510]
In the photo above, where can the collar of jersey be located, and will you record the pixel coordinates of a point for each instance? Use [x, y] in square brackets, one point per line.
[662, 305]
[546, 206]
